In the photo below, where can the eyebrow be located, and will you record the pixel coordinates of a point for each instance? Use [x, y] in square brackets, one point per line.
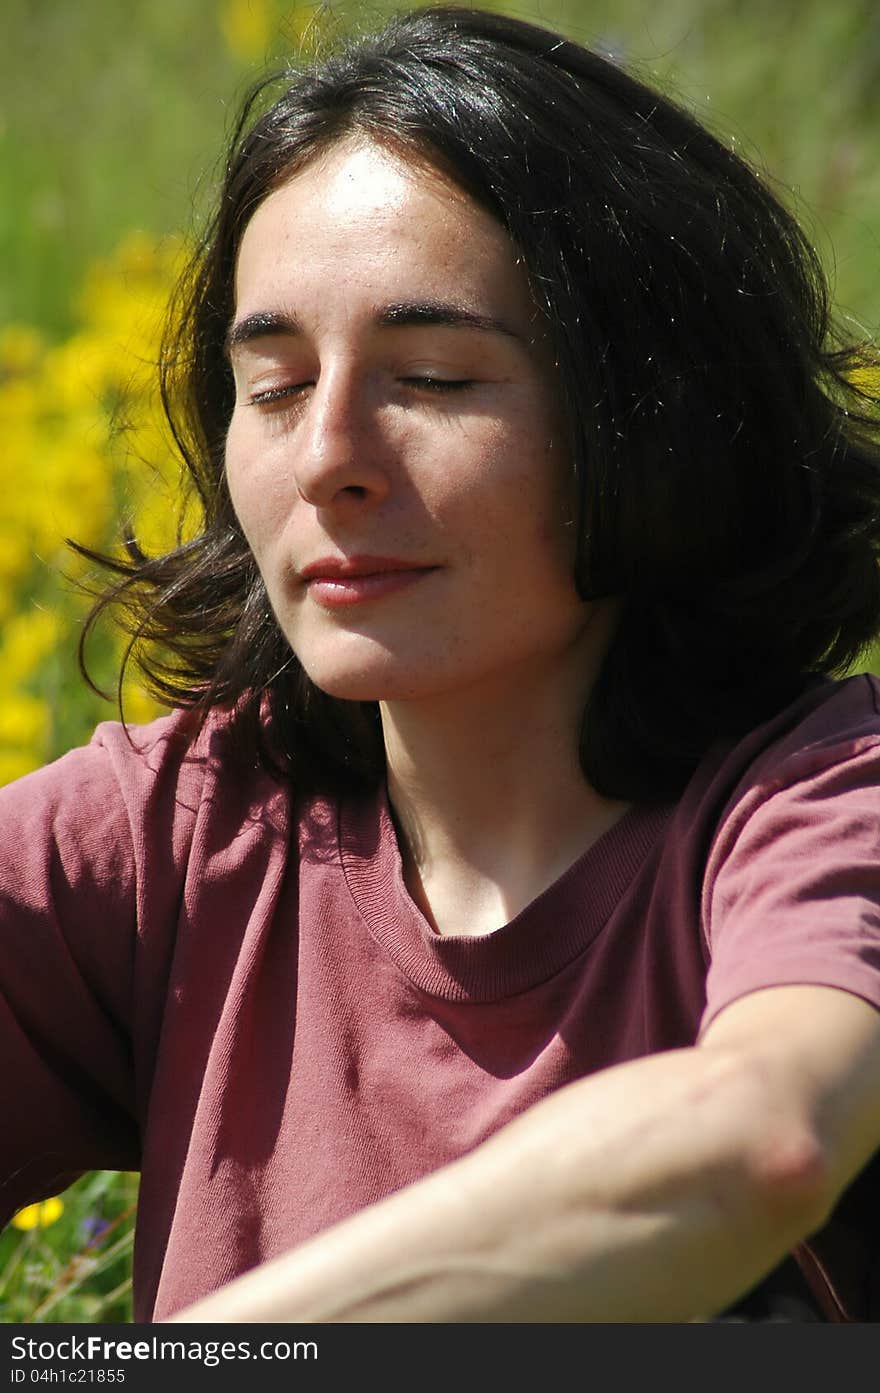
[405, 314]
[440, 312]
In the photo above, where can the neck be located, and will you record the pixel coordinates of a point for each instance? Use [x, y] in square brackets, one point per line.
[488, 795]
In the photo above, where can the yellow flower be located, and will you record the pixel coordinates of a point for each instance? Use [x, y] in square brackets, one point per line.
[246, 25]
[14, 764]
[20, 349]
[28, 639]
[39, 1216]
[138, 705]
[85, 444]
[866, 379]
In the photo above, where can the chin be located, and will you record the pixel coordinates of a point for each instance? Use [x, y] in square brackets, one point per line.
[363, 685]
[353, 668]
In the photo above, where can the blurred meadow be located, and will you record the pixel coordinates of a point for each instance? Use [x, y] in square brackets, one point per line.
[112, 126]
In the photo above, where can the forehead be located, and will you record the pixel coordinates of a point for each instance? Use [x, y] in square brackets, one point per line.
[360, 217]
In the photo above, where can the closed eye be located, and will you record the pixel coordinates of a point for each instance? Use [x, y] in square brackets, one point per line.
[440, 384]
[273, 394]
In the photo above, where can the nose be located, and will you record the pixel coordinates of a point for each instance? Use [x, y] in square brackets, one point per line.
[341, 456]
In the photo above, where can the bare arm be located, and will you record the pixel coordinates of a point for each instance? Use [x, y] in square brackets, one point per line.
[661, 1189]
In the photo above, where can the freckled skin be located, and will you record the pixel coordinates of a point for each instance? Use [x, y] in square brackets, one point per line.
[342, 443]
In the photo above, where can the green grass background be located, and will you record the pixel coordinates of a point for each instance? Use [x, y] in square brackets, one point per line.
[113, 117]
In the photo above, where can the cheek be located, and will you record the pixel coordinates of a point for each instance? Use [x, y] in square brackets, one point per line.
[239, 496]
[234, 457]
[252, 489]
[518, 491]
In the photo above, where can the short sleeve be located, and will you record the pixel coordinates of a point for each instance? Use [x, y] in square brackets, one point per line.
[791, 893]
[81, 855]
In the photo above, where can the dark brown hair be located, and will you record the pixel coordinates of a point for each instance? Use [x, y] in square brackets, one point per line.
[728, 468]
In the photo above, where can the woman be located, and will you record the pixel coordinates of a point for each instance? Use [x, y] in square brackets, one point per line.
[492, 932]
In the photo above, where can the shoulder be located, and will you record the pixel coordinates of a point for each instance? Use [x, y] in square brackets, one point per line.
[119, 768]
[138, 786]
[824, 744]
[829, 736]
[791, 889]
[831, 721]
[831, 731]
[175, 741]
[177, 748]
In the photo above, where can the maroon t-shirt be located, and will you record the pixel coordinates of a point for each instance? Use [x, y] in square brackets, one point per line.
[226, 987]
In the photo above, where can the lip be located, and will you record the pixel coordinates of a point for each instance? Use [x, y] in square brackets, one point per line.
[334, 567]
[335, 582]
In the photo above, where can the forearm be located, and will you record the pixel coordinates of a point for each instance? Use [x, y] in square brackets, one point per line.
[659, 1190]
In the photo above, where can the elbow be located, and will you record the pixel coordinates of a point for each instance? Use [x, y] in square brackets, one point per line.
[787, 1171]
[790, 1181]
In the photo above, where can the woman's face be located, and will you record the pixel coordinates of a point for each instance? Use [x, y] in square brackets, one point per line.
[396, 454]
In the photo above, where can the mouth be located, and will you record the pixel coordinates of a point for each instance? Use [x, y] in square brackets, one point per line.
[337, 582]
